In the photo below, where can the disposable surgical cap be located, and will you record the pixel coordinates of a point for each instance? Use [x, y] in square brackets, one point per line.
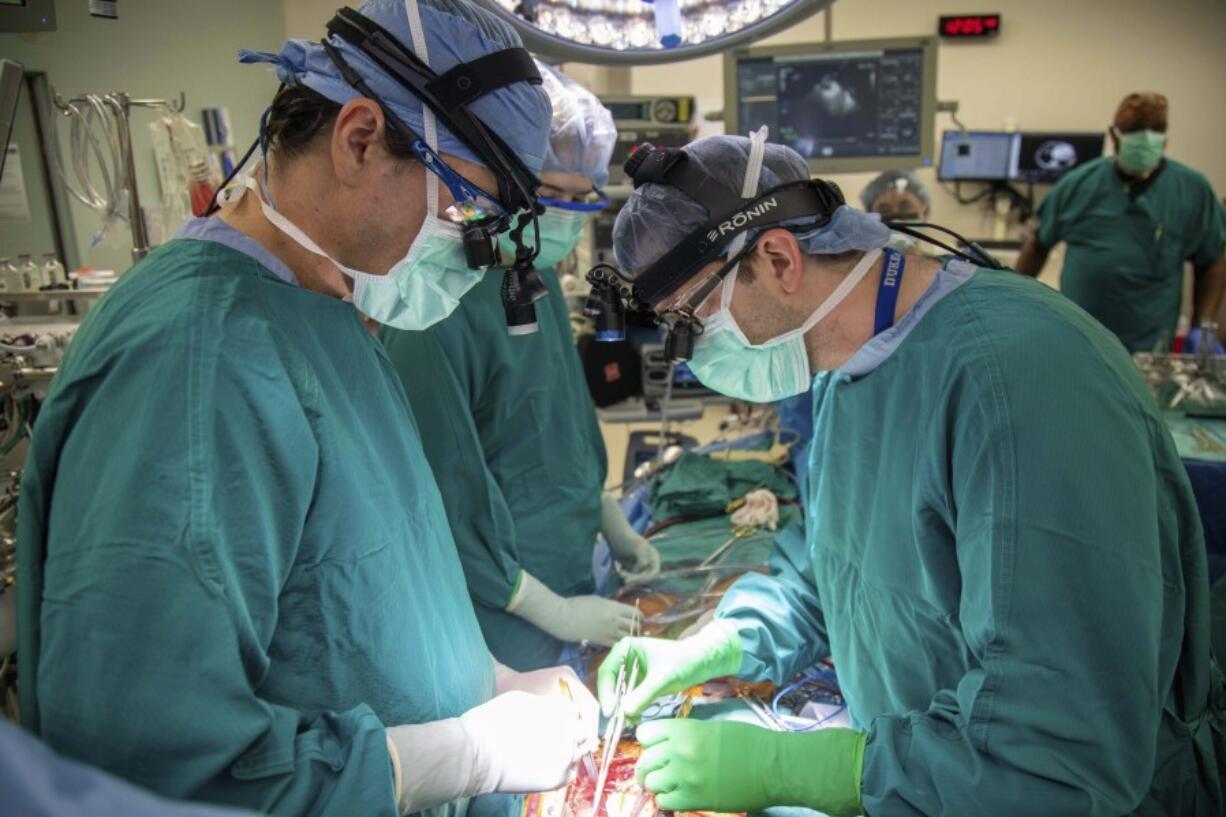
[582, 135]
[456, 31]
[658, 217]
[902, 180]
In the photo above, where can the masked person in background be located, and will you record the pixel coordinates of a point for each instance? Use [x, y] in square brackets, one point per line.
[1129, 223]
[1018, 611]
[896, 195]
[508, 424]
[238, 581]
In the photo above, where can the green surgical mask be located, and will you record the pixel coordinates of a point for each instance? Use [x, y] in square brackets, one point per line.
[725, 361]
[1140, 151]
[560, 230]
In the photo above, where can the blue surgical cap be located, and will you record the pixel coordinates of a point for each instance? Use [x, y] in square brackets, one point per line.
[456, 31]
[658, 217]
[900, 180]
[582, 135]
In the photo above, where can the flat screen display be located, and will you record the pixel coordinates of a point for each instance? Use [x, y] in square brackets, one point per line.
[1027, 157]
[1042, 158]
[836, 105]
[976, 156]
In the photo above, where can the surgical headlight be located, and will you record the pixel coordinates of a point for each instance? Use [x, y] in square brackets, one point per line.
[811, 203]
[679, 342]
[605, 303]
[522, 285]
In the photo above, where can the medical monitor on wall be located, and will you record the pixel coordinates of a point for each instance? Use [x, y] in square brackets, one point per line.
[1029, 157]
[844, 106]
[976, 156]
[19, 16]
[1042, 158]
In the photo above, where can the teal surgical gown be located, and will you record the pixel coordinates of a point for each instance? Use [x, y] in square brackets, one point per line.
[234, 564]
[508, 425]
[1004, 559]
[1125, 252]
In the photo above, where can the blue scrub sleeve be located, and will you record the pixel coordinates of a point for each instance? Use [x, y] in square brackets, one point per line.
[1211, 228]
[181, 493]
[778, 616]
[442, 392]
[1064, 571]
[38, 783]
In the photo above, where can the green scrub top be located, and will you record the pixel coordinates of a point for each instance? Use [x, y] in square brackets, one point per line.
[509, 427]
[1005, 561]
[1125, 253]
[234, 564]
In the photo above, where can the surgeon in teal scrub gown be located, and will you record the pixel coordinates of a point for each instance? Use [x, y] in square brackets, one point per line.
[237, 582]
[510, 430]
[1015, 598]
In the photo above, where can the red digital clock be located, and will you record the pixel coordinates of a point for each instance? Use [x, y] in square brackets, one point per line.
[969, 25]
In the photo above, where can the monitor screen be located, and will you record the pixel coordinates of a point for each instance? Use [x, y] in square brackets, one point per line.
[976, 156]
[1042, 158]
[858, 103]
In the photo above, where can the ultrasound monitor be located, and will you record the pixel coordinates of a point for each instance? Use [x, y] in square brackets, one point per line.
[844, 106]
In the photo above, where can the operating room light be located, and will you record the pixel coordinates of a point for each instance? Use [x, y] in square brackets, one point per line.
[643, 31]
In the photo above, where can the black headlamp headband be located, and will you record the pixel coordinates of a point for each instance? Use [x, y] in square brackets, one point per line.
[729, 215]
[449, 94]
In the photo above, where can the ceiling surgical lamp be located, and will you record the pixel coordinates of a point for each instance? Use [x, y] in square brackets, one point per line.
[642, 32]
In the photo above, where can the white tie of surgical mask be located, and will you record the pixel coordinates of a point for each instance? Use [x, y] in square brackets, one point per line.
[419, 290]
[426, 285]
[725, 360]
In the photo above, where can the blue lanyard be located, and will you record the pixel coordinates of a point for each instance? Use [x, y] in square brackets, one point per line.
[601, 202]
[887, 290]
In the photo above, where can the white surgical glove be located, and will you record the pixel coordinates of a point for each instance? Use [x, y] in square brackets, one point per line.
[552, 681]
[578, 618]
[515, 743]
[637, 559]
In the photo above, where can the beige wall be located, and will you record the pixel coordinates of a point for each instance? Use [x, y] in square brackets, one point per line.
[307, 18]
[1058, 64]
[155, 49]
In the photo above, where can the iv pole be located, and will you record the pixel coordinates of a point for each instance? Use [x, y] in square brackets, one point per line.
[120, 106]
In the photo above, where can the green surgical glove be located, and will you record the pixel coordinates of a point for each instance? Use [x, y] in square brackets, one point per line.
[729, 766]
[666, 667]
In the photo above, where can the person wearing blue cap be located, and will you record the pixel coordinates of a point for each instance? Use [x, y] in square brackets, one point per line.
[1018, 610]
[896, 195]
[238, 581]
[509, 427]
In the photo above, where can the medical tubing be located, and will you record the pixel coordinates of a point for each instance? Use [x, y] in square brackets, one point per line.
[818, 674]
[82, 139]
[971, 245]
[906, 230]
[664, 405]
